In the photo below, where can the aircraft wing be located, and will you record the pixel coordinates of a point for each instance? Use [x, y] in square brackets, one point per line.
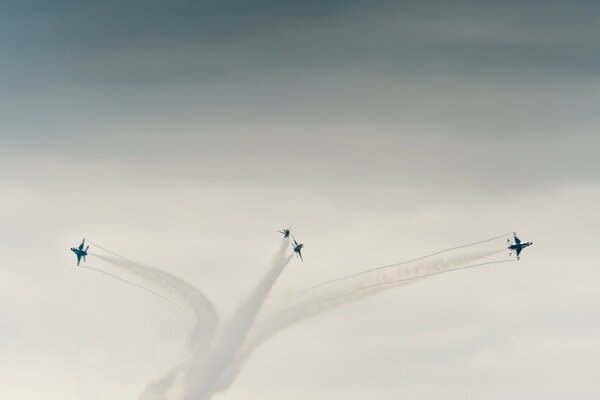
[300, 254]
[517, 240]
[78, 259]
[519, 251]
[81, 245]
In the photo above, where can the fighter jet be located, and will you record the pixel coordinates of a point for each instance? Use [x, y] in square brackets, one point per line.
[518, 246]
[285, 233]
[297, 248]
[80, 251]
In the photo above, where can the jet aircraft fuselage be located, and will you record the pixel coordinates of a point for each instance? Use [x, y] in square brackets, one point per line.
[80, 251]
[518, 246]
[298, 248]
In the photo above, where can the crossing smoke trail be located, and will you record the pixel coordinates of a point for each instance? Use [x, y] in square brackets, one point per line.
[199, 375]
[338, 292]
[216, 356]
[208, 372]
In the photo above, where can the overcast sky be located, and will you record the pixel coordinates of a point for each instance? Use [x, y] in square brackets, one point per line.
[185, 134]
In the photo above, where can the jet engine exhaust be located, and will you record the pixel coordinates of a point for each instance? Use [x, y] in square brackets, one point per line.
[217, 352]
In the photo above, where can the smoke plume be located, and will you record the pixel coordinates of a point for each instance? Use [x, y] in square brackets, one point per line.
[216, 353]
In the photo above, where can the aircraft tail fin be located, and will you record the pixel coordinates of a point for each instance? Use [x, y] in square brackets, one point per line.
[86, 249]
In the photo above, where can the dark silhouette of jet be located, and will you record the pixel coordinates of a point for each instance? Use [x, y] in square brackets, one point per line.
[286, 233]
[517, 246]
[297, 248]
[80, 251]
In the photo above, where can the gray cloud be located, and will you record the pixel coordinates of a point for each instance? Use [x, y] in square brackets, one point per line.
[141, 43]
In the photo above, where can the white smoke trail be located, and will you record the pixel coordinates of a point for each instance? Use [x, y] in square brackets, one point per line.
[169, 386]
[208, 372]
[214, 358]
[335, 293]
[195, 302]
[175, 288]
[383, 267]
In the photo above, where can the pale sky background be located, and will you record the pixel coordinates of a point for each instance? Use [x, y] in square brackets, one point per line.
[185, 134]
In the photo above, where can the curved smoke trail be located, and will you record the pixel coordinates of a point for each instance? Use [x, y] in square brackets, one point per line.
[353, 288]
[195, 302]
[209, 371]
[173, 287]
[214, 360]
